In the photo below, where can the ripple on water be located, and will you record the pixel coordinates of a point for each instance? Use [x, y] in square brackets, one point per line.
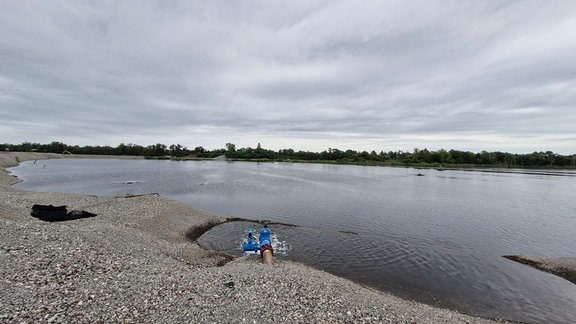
[441, 273]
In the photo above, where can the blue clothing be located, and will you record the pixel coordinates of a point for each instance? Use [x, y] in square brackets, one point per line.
[265, 236]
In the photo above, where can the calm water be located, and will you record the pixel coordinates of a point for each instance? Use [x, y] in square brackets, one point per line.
[436, 238]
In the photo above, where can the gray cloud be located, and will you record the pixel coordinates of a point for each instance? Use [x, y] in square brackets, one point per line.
[488, 75]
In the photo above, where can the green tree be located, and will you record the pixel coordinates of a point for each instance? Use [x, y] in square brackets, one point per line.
[57, 147]
[156, 150]
[177, 150]
[230, 148]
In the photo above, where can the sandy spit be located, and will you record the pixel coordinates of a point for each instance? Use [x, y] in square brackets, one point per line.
[133, 264]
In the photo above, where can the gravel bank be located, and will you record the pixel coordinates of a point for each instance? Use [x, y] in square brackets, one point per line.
[133, 264]
[564, 267]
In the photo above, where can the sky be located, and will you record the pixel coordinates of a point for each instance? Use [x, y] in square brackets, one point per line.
[469, 75]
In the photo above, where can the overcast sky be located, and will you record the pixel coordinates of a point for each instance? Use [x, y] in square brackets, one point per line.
[308, 75]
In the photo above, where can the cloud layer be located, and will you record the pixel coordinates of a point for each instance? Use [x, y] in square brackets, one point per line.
[370, 75]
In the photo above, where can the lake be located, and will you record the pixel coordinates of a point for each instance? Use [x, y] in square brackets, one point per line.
[437, 237]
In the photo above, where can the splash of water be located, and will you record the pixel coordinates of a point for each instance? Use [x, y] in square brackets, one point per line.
[280, 247]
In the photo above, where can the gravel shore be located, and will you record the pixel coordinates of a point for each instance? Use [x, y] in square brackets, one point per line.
[134, 264]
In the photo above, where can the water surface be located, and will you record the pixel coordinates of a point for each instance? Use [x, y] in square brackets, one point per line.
[436, 238]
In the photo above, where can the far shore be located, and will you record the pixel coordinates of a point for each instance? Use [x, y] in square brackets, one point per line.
[159, 247]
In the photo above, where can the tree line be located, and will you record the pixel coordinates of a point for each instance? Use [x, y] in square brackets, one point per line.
[417, 157]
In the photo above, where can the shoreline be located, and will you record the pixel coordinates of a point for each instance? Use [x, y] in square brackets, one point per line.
[133, 263]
